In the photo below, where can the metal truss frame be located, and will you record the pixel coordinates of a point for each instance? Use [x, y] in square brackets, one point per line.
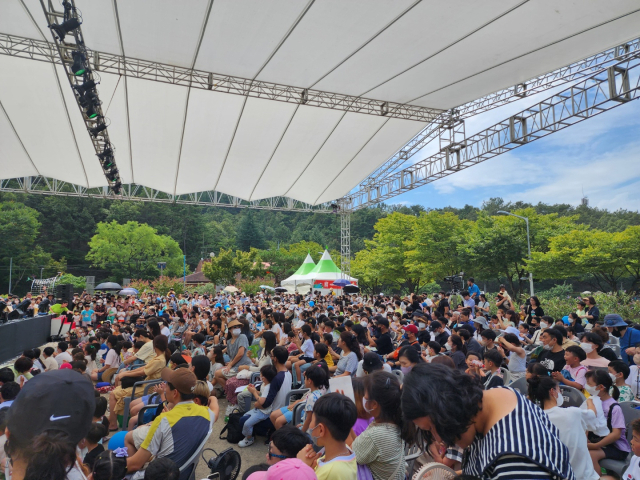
[138, 193]
[539, 84]
[607, 89]
[66, 51]
[188, 77]
[345, 242]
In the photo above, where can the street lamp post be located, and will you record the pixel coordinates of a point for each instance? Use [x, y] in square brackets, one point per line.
[526, 220]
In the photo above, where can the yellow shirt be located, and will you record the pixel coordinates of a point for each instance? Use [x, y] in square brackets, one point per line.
[344, 468]
[329, 360]
[154, 367]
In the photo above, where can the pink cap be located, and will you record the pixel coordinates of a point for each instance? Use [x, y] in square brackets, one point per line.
[289, 469]
[66, 365]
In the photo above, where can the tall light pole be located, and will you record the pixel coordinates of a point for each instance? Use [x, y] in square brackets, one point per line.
[526, 220]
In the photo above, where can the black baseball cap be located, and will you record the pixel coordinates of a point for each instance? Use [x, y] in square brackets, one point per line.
[371, 362]
[381, 320]
[61, 400]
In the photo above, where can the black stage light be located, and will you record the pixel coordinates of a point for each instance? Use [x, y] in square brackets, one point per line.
[85, 87]
[97, 129]
[116, 188]
[65, 27]
[78, 66]
[112, 174]
[91, 112]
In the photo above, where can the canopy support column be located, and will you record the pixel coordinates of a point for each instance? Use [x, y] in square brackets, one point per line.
[345, 243]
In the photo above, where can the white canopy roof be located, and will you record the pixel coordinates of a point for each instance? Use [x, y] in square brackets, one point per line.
[182, 140]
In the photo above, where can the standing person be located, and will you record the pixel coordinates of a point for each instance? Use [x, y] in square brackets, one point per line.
[614, 445]
[380, 446]
[483, 307]
[592, 313]
[501, 430]
[474, 290]
[571, 422]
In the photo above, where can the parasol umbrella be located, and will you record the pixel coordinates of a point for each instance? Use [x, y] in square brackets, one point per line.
[281, 289]
[128, 291]
[231, 288]
[341, 282]
[351, 289]
[109, 286]
[267, 287]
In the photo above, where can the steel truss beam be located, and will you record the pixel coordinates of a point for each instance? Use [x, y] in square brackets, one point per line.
[542, 83]
[607, 89]
[49, 186]
[160, 72]
[345, 243]
[67, 51]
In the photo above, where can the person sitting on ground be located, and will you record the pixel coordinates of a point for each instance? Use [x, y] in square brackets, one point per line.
[8, 393]
[285, 443]
[92, 443]
[6, 375]
[62, 355]
[109, 465]
[333, 418]
[22, 369]
[162, 469]
[48, 359]
[111, 361]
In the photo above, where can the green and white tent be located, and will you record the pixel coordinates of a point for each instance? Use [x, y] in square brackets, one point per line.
[321, 276]
[300, 277]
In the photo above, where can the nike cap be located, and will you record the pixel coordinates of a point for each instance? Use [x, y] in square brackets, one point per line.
[60, 400]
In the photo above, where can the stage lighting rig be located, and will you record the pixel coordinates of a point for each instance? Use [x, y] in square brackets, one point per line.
[77, 62]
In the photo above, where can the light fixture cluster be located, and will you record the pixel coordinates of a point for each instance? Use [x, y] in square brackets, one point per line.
[84, 82]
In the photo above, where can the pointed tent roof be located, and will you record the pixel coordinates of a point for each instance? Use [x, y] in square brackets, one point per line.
[306, 266]
[325, 265]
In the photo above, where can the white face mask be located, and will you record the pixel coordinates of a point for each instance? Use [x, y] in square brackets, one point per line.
[587, 347]
[636, 359]
[448, 347]
[591, 389]
[613, 377]
[235, 332]
[559, 399]
[544, 324]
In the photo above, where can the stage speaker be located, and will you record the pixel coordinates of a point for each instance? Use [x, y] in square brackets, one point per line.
[64, 292]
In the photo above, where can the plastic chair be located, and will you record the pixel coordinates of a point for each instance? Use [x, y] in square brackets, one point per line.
[572, 396]
[521, 386]
[298, 393]
[147, 384]
[616, 349]
[630, 414]
[506, 376]
[188, 469]
[411, 454]
[399, 374]
[255, 377]
[298, 412]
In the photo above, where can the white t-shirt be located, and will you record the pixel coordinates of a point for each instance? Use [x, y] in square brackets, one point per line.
[633, 472]
[112, 359]
[166, 331]
[276, 329]
[572, 422]
[360, 370]
[49, 363]
[307, 348]
[601, 428]
[63, 357]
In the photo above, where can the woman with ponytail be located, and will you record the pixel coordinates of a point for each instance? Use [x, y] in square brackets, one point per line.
[90, 352]
[571, 422]
[348, 363]
[111, 360]
[615, 444]
[150, 371]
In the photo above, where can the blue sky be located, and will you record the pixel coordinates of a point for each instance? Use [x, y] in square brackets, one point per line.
[600, 155]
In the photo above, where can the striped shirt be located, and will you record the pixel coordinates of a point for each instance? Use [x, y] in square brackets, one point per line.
[523, 445]
[381, 448]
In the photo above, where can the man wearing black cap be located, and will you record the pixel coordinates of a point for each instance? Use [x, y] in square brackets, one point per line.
[440, 334]
[383, 343]
[175, 434]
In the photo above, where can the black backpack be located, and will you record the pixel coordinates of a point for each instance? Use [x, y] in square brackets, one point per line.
[233, 429]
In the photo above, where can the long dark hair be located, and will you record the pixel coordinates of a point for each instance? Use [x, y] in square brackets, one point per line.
[600, 377]
[154, 328]
[115, 345]
[410, 354]
[91, 350]
[539, 388]
[457, 341]
[361, 334]
[160, 342]
[269, 341]
[450, 398]
[352, 343]
[384, 388]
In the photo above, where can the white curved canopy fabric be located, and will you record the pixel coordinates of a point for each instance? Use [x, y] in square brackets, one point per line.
[180, 140]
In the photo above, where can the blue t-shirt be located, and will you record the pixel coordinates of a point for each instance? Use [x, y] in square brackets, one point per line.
[86, 315]
[630, 339]
[474, 289]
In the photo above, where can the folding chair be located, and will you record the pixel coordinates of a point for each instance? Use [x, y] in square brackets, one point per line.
[521, 386]
[147, 384]
[188, 469]
[572, 396]
[411, 454]
[298, 393]
[298, 412]
[255, 377]
[506, 376]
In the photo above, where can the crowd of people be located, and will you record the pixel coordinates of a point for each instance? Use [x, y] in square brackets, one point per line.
[426, 371]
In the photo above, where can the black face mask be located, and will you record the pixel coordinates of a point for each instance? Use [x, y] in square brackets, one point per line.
[616, 332]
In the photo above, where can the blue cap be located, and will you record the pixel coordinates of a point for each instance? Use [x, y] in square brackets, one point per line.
[312, 303]
[565, 319]
[329, 307]
[614, 320]
[217, 305]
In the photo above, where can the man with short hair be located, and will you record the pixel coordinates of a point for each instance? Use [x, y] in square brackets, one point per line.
[488, 341]
[474, 290]
[175, 434]
[383, 343]
[8, 393]
[62, 355]
[286, 443]
[59, 308]
[552, 356]
[48, 360]
[468, 302]
[440, 334]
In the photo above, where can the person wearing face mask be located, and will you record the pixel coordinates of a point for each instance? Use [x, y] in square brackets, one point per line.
[591, 344]
[237, 347]
[629, 337]
[440, 334]
[552, 355]
[571, 422]
[408, 358]
[457, 351]
[614, 445]
[633, 380]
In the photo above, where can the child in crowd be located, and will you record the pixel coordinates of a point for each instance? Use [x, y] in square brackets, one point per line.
[364, 417]
[633, 471]
[620, 371]
[93, 445]
[258, 413]
[573, 373]
[77, 318]
[109, 466]
[333, 418]
[492, 362]
[473, 364]
[197, 347]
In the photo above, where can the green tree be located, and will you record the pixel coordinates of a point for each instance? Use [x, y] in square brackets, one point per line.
[496, 246]
[282, 263]
[249, 234]
[133, 250]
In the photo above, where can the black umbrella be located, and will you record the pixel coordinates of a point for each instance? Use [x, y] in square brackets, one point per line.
[281, 289]
[351, 289]
[109, 286]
